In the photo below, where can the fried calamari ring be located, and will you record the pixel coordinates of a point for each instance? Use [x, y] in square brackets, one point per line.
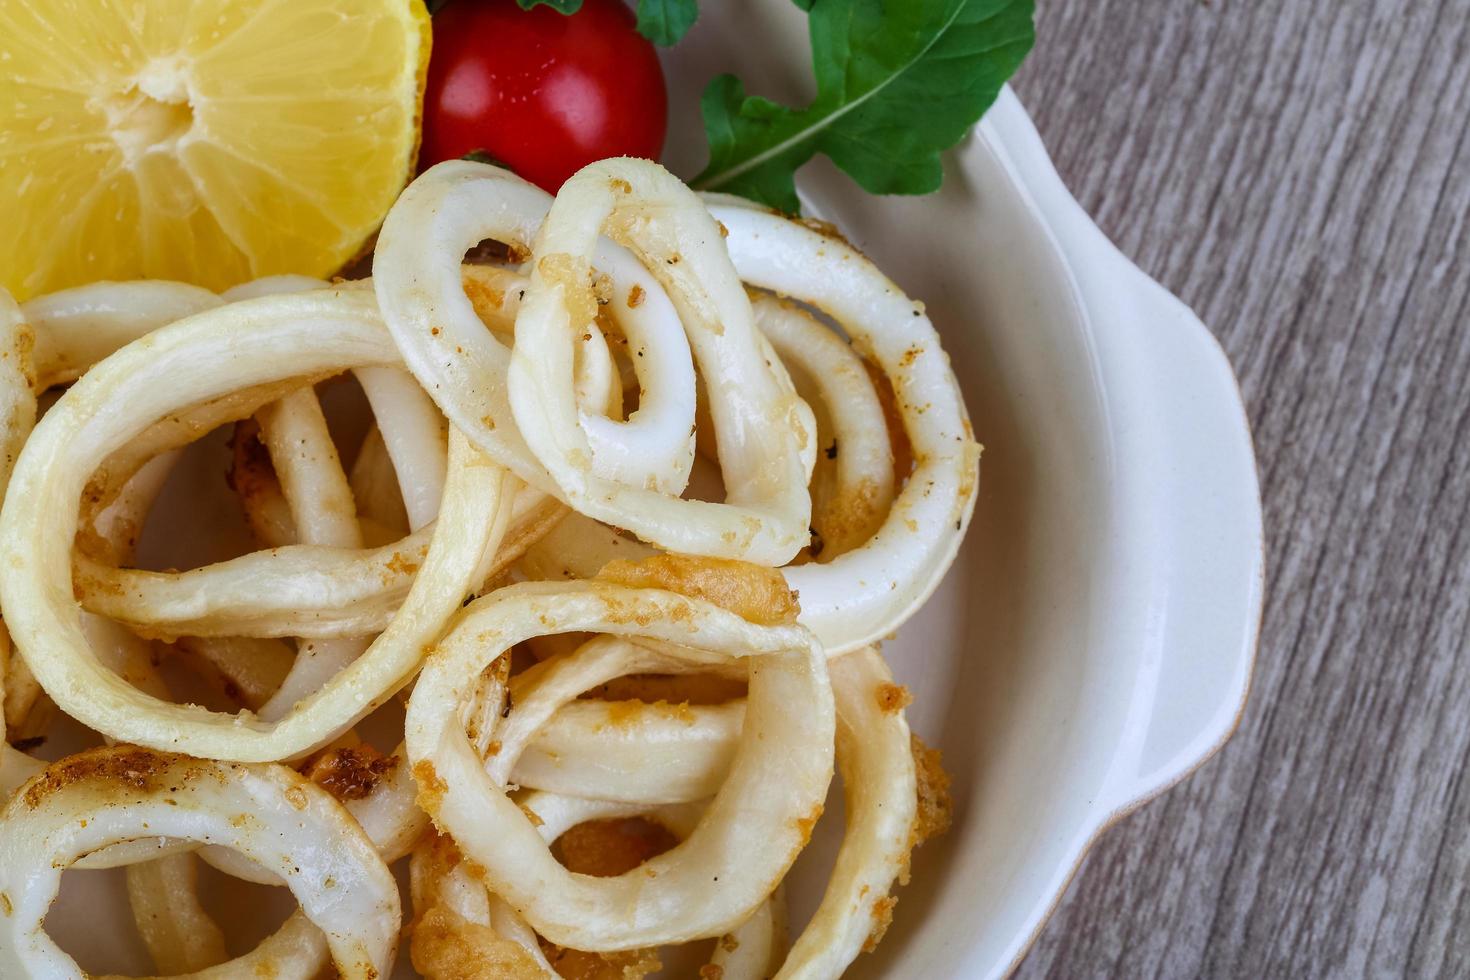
[633, 752]
[458, 917]
[267, 812]
[415, 437]
[83, 324]
[378, 793]
[380, 508]
[540, 691]
[753, 951]
[578, 547]
[297, 590]
[852, 488]
[761, 427]
[750, 951]
[273, 286]
[866, 593]
[449, 209]
[323, 513]
[355, 594]
[254, 342]
[76, 328]
[459, 926]
[17, 416]
[17, 384]
[293, 589]
[874, 756]
[180, 935]
[880, 791]
[750, 833]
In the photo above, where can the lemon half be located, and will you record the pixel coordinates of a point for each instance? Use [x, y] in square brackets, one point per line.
[210, 141]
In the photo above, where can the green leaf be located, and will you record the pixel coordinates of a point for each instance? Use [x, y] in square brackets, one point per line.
[560, 6]
[898, 82]
[664, 22]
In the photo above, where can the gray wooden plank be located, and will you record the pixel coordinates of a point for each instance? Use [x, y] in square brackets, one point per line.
[1299, 172]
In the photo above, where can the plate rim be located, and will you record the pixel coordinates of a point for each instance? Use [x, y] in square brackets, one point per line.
[1008, 132]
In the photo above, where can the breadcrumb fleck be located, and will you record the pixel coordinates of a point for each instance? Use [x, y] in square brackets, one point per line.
[351, 773]
[893, 697]
[431, 787]
[805, 824]
[882, 919]
[446, 946]
[753, 592]
[936, 808]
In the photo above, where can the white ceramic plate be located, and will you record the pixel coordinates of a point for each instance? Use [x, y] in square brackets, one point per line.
[1095, 640]
[1093, 643]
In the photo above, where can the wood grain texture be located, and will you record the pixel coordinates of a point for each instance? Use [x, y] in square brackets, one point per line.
[1298, 171]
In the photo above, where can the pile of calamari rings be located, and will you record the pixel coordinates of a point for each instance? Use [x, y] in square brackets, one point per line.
[638, 497]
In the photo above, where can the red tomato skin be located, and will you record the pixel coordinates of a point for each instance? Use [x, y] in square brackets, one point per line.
[542, 92]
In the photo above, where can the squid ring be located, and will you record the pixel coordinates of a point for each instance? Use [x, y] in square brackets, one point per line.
[462, 907]
[188, 362]
[76, 328]
[763, 430]
[851, 494]
[539, 692]
[17, 416]
[865, 594]
[875, 759]
[266, 812]
[593, 748]
[749, 835]
[416, 272]
[881, 795]
[314, 592]
[755, 941]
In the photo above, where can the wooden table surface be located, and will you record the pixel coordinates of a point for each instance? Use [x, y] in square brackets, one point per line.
[1298, 171]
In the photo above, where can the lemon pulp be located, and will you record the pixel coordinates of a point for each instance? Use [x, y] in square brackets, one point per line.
[210, 141]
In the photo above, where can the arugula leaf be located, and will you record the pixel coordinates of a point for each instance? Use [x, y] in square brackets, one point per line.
[898, 81]
[664, 22]
[661, 21]
[560, 6]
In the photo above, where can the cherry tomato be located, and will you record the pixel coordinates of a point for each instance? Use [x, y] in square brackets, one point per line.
[542, 92]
